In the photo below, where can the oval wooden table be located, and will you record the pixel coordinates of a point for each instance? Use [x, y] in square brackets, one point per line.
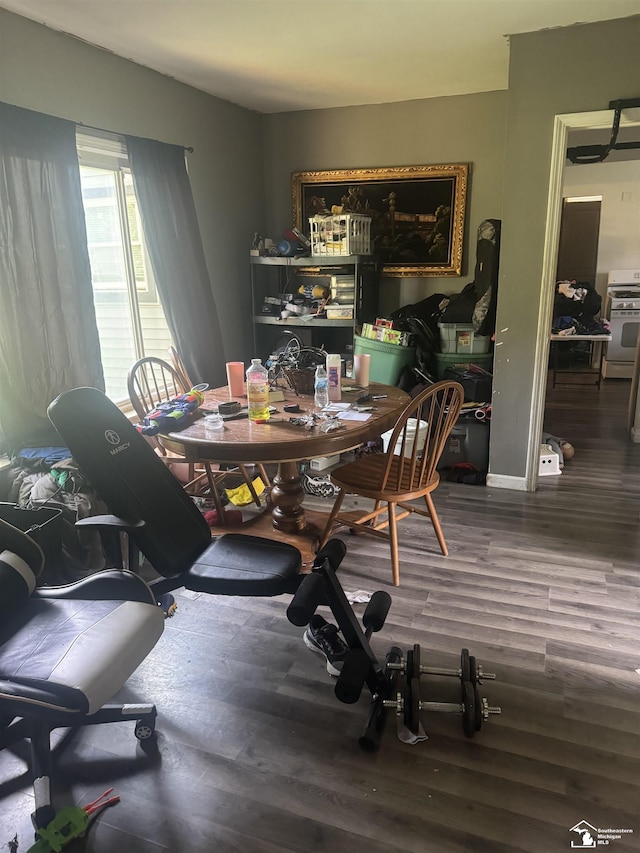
[279, 441]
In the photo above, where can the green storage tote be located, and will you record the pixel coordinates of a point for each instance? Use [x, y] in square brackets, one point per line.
[387, 360]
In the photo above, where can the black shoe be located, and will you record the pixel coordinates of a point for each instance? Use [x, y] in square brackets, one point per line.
[322, 637]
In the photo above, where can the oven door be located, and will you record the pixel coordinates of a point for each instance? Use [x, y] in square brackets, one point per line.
[625, 325]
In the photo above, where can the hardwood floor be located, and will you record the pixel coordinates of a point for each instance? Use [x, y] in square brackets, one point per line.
[255, 754]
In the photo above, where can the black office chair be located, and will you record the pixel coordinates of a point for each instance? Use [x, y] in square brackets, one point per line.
[65, 652]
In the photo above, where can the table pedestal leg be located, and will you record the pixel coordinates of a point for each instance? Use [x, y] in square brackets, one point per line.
[286, 499]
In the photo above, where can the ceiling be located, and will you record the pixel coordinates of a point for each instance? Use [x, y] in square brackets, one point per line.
[283, 55]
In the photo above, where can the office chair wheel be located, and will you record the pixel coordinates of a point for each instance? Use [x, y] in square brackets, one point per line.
[167, 604]
[468, 709]
[145, 727]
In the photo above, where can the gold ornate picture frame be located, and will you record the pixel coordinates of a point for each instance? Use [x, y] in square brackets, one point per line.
[417, 212]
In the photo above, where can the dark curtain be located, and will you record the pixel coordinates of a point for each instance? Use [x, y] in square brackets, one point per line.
[175, 249]
[48, 333]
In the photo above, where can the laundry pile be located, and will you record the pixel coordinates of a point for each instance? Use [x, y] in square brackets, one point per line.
[575, 307]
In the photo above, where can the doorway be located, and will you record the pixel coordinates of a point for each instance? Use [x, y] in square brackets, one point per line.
[563, 124]
[579, 236]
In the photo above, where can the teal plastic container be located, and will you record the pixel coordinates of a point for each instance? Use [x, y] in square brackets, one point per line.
[387, 360]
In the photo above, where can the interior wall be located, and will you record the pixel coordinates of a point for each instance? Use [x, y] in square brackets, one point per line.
[619, 186]
[461, 129]
[552, 72]
[47, 71]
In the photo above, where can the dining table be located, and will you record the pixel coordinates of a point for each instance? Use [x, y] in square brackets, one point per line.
[286, 439]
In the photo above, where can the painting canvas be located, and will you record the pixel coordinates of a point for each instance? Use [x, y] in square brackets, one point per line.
[417, 212]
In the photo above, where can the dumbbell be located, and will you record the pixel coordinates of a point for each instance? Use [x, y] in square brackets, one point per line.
[473, 709]
[469, 670]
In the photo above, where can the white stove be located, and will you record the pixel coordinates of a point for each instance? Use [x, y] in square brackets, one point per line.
[623, 312]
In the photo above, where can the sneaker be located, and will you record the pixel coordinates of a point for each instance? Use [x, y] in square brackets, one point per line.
[322, 637]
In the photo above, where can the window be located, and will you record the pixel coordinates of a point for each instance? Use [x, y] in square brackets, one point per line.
[131, 322]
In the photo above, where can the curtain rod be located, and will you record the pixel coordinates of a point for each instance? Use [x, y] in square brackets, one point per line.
[186, 148]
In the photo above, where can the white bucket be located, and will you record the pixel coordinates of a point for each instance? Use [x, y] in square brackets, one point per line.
[412, 427]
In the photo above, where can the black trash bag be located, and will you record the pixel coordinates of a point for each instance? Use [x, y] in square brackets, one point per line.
[421, 320]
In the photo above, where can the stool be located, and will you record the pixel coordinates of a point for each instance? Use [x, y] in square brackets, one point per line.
[549, 461]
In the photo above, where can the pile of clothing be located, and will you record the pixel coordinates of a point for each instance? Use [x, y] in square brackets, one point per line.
[575, 307]
[50, 477]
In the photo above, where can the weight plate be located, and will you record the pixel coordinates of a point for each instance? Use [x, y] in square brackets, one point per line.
[414, 725]
[473, 671]
[465, 668]
[468, 709]
[406, 700]
[408, 666]
[478, 708]
[415, 662]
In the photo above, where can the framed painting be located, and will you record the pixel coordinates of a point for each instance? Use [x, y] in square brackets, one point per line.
[417, 212]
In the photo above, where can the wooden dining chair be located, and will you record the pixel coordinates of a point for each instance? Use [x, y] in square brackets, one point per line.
[405, 472]
[152, 381]
[179, 367]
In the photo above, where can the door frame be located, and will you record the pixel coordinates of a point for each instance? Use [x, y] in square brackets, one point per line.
[562, 125]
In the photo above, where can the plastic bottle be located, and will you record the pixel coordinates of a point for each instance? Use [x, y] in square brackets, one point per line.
[333, 373]
[258, 391]
[321, 388]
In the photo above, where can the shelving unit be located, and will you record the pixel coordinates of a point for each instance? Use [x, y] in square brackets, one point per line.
[272, 276]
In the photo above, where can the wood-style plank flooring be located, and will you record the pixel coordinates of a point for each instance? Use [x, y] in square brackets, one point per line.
[255, 754]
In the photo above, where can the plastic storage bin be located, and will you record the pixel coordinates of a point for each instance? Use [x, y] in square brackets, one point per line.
[387, 360]
[412, 429]
[448, 359]
[461, 338]
[340, 234]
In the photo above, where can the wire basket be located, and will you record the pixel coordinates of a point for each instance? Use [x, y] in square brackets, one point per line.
[301, 381]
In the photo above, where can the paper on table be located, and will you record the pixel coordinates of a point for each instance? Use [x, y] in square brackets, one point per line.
[354, 416]
[336, 407]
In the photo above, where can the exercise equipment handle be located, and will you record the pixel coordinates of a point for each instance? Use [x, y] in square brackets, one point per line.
[334, 551]
[307, 598]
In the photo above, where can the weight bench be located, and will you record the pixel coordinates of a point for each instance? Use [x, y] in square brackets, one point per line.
[162, 522]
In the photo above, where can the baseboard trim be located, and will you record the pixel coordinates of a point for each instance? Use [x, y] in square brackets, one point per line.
[504, 481]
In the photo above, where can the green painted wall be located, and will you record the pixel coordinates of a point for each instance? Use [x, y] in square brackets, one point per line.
[552, 72]
[43, 70]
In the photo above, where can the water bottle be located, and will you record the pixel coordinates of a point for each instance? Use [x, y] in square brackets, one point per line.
[258, 391]
[321, 387]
